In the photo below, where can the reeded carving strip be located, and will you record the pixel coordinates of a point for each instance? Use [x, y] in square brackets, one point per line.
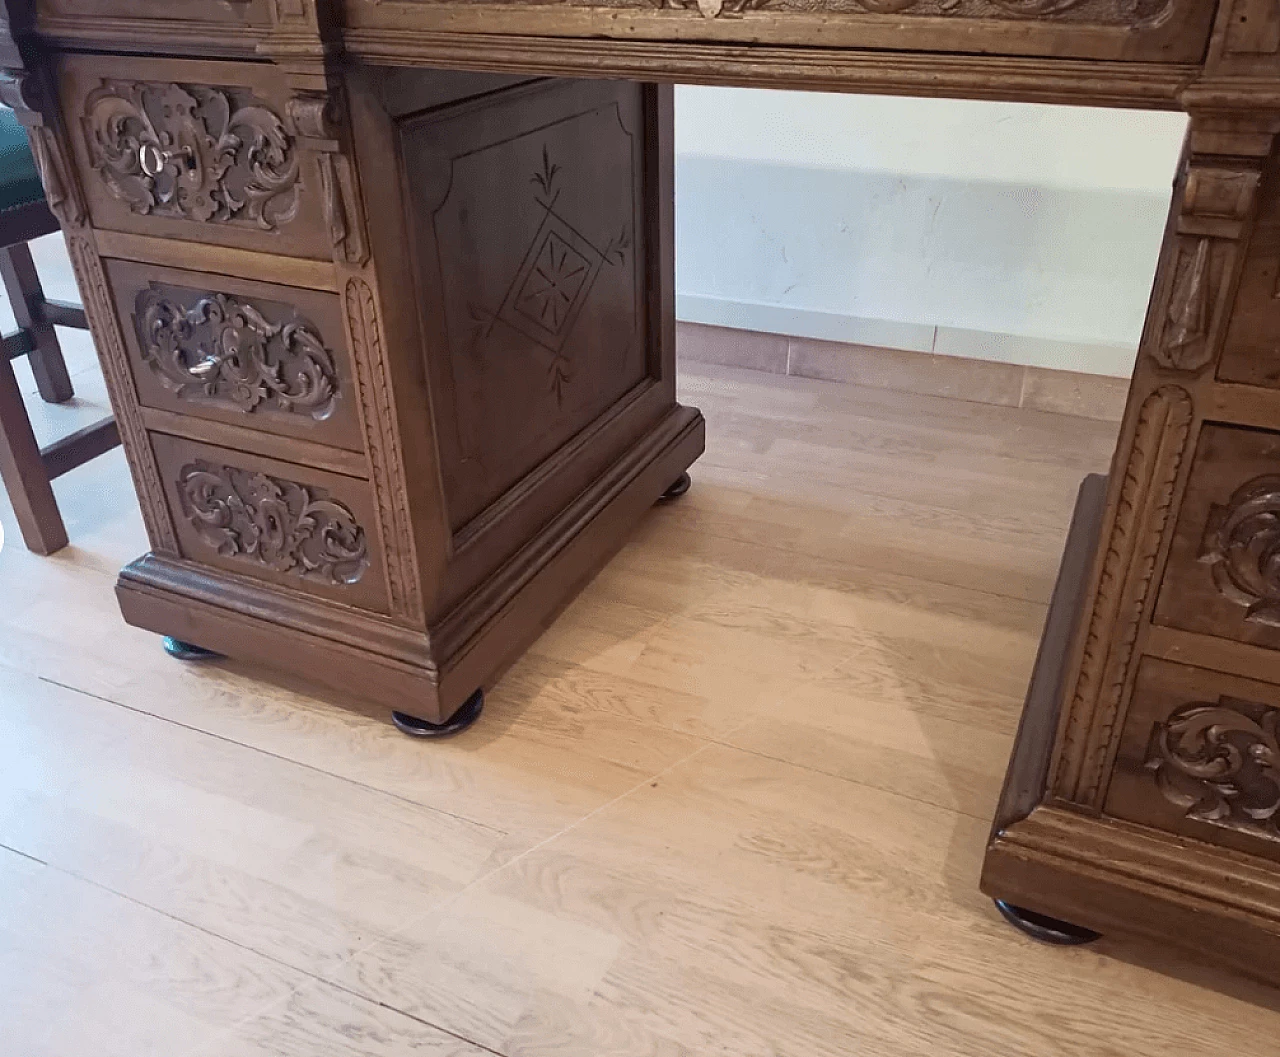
[100, 309]
[1092, 720]
[383, 445]
[18, 90]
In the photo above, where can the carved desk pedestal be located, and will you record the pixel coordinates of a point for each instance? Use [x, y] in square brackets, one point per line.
[394, 359]
[390, 347]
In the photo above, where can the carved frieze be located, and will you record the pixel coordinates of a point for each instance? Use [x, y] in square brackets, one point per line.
[1220, 763]
[1242, 547]
[1096, 12]
[235, 352]
[278, 524]
[215, 155]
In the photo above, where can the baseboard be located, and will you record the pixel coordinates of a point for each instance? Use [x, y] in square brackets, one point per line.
[960, 372]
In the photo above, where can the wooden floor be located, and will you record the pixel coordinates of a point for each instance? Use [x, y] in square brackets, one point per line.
[734, 802]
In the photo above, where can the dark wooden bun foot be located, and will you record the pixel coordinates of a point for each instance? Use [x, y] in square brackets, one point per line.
[1044, 928]
[186, 651]
[459, 721]
[682, 485]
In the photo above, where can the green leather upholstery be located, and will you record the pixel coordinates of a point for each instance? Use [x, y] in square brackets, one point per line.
[19, 181]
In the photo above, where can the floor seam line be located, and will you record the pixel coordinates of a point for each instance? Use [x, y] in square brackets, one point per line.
[272, 755]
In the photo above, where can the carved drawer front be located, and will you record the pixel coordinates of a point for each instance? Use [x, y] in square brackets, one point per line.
[1199, 756]
[294, 526]
[1223, 574]
[255, 355]
[205, 151]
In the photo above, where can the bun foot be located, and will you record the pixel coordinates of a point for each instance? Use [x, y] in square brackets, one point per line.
[1044, 928]
[682, 485]
[186, 651]
[459, 721]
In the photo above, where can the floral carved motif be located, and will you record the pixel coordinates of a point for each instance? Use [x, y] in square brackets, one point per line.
[226, 350]
[287, 527]
[1242, 546]
[1220, 763]
[192, 152]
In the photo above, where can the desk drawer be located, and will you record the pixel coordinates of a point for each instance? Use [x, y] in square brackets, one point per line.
[250, 354]
[201, 151]
[294, 526]
[1223, 573]
[1199, 757]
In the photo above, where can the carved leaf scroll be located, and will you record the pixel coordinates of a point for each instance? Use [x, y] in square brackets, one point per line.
[198, 153]
[282, 525]
[1220, 763]
[228, 351]
[1242, 546]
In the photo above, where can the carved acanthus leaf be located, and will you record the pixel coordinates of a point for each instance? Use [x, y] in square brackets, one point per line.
[198, 153]
[285, 526]
[1242, 546]
[226, 350]
[1220, 763]
[1189, 314]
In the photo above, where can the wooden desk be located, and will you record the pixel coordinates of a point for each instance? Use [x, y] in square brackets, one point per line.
[385, 308]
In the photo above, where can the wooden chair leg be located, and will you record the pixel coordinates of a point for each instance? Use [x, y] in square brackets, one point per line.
[18, 271]
[23, 471]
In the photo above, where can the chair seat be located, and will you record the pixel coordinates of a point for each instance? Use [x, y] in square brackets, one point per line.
[19, 180]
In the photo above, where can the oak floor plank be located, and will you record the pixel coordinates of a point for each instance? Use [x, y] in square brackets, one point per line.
[84, 971]
[282, 859]
[743, 905]
[732, 802]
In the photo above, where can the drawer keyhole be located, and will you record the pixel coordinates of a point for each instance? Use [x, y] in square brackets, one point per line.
[153, 160]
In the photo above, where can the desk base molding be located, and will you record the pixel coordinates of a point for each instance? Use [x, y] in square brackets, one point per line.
[430, 673]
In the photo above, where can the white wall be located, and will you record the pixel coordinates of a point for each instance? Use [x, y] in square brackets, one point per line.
[1017, 232]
